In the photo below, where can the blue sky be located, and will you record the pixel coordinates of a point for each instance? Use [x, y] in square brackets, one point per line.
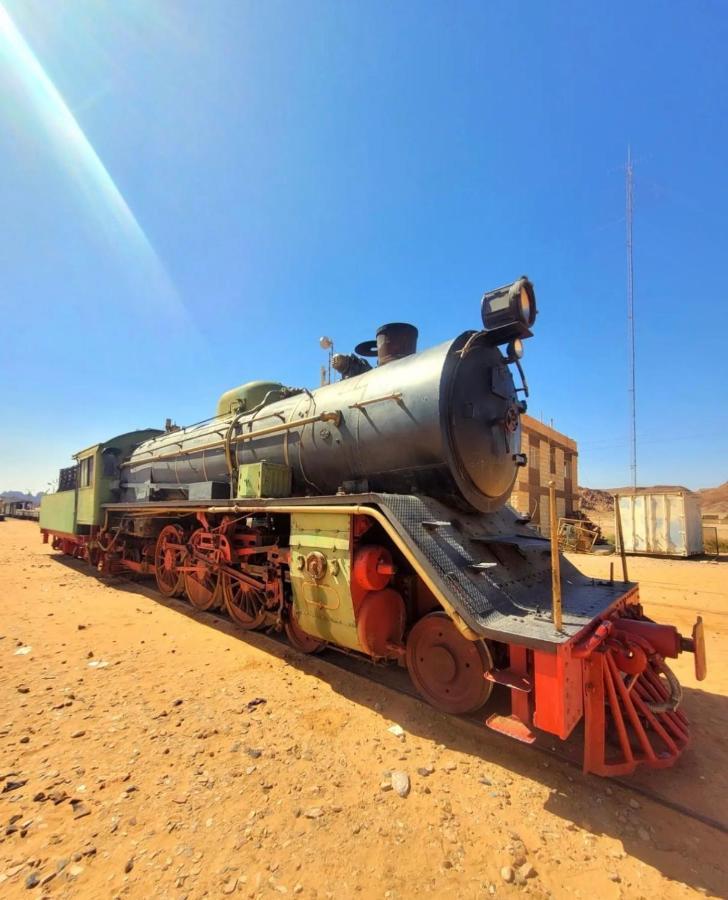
[193, 192]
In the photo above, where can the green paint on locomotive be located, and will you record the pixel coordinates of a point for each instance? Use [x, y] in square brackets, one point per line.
[264, 479]
[246, 397]
[58, 512]
[322, 600]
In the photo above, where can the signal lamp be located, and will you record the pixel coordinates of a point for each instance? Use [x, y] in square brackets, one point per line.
[514, 351]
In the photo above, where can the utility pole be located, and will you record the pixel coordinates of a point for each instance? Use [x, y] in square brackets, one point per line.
[630, 323]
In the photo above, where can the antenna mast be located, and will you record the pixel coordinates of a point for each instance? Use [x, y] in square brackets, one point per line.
[630, 324]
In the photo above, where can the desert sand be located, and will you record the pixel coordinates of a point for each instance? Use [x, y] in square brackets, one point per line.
[148, 751]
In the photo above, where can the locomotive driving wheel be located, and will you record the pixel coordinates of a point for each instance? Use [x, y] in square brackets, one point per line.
[169, 552]
[244, 603]
[299, 639]
[202, 574]
[446, 668]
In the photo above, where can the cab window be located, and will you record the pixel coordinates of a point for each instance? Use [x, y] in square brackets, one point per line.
[110, 462]
[86, 472]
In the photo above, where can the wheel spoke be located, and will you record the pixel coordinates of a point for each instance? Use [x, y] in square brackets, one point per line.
[244, 603]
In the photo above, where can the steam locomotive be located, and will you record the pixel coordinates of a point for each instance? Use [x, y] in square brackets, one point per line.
[370, 515]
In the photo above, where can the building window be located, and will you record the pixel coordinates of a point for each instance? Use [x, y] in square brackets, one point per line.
[567, 467]
[533, 455]
[552, 460]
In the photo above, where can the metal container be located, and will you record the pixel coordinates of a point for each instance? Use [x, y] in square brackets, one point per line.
[264, 479]
[663, 521]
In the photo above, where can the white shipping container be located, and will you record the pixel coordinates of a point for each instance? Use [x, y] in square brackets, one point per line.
[664, 522]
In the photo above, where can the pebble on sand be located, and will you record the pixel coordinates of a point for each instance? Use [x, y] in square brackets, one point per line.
[401, 783]
[79, 809]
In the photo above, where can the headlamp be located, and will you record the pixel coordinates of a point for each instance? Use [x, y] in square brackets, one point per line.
[508, 312]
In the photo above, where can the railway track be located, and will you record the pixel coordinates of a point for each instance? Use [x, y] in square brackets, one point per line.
[473, 723]
[718, 613]
[397, 681]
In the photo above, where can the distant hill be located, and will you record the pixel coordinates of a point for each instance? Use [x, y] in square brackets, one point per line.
[714, 501]
[595, 500]
[21, 495]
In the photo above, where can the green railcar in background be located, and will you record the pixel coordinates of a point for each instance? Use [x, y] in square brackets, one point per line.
[83, 488]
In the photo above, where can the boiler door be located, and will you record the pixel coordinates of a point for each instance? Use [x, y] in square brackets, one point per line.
[485, 428]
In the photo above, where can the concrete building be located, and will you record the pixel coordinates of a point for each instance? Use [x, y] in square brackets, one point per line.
[551, 456]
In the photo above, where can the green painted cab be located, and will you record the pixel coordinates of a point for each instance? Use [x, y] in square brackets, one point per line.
[77, 505]
[89, 487]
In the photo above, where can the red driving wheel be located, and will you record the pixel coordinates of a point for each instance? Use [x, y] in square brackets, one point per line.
[202, 574]
[245, 604]
[169, 552]
[299, 638]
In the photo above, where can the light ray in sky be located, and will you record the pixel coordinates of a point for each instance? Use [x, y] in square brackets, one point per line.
[83, 163]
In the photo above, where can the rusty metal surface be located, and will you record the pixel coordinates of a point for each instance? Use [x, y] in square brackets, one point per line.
[577, 535]
[201, 574]
[446, 668]
[169, 553]
[245, 604]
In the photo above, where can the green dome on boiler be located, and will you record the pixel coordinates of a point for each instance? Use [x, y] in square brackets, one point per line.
[247, 396]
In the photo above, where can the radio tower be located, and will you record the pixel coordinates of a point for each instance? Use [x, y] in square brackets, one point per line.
[630, 324]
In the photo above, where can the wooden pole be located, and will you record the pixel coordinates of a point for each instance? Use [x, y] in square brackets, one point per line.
[620, 538]
[555, 563]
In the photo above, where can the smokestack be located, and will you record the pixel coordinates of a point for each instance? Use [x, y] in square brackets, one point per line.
[395, 340]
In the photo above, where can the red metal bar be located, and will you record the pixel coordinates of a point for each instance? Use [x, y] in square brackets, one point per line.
[652, 719]
[630, 709]
[594, 714]
[617, 712]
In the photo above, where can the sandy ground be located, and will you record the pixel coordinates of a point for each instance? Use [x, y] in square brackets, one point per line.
[146, 752]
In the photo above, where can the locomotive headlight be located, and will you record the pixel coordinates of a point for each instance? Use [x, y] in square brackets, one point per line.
[508, 312]
[527, 303]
